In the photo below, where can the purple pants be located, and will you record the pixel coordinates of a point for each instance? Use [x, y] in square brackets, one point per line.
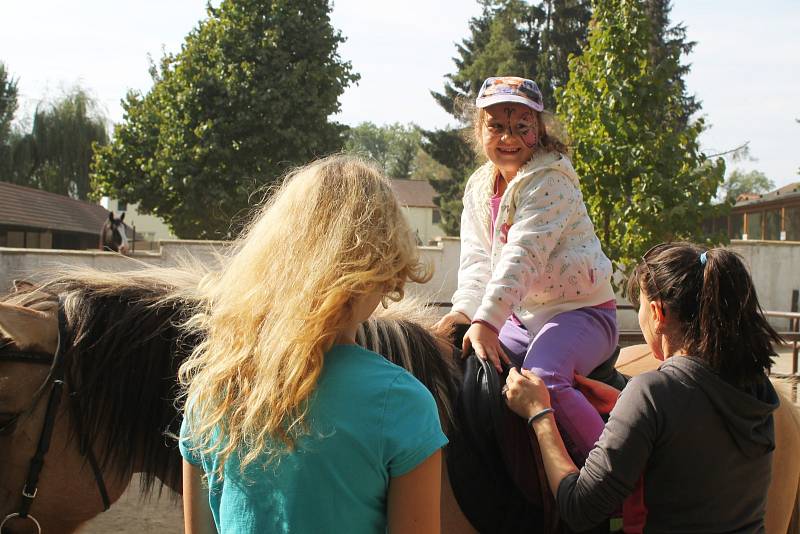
[572, 342]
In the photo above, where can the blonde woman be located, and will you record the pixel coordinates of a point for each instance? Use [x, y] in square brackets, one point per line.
[289, 426]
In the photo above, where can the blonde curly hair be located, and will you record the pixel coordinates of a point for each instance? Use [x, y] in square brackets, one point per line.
[331, 233]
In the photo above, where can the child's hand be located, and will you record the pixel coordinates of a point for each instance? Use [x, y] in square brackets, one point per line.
[600, 395]
[486, 344]
[444, 326]
[526, 393]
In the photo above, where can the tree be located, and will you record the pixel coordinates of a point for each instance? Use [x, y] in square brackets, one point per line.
[740, 182]
[394, 147]
[563, 28]
[56, 154]
[8, 103]
[509, 37]
[8, 107]
[644, 177]
[246, 98]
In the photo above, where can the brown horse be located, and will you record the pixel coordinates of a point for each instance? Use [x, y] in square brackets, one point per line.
[122, 349]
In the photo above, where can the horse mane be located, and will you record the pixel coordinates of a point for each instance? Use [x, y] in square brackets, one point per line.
[127, 343]
[125, 348]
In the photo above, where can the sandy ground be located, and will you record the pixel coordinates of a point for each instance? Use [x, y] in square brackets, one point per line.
[130, 515]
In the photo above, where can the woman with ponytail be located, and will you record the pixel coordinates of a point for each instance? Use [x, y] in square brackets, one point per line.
[699, 430]
[289, 426]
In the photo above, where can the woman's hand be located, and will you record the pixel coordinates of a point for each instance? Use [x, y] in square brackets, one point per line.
[600, 395]
[445, 325]
[486, 344]
[526, 393]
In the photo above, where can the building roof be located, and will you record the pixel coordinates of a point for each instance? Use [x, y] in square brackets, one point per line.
[414, 193]
[787, 191]
[34, 208]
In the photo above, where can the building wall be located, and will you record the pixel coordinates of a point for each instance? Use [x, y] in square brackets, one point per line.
[421, 221]
[774, 266]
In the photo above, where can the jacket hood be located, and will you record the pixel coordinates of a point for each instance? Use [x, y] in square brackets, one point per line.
[747, 413]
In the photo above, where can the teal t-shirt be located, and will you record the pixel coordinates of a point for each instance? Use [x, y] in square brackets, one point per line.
[370, 420]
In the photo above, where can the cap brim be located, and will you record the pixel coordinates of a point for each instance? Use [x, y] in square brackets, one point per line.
[501, 98]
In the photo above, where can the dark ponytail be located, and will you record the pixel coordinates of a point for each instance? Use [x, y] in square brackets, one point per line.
[710, 295]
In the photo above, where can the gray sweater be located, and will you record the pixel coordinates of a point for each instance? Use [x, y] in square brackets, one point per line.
[703, 446]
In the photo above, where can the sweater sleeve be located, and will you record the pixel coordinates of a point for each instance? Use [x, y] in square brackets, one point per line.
[474, 268]
[618, 460]
[542, 211]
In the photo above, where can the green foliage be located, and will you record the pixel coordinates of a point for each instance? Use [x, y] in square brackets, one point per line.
[394, 147]
[644, 177]
[8, 103]
[246, 98]
[56, 154]
[510, 37]
[740, 182]
[450, 149]
[8, 106]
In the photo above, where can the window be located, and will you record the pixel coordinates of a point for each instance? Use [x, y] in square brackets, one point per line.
[437, 216]
[772, 225]
[122, 206]
[754, 225]
[33, 240]
[737, 226]
[792, 224]
[16, 239]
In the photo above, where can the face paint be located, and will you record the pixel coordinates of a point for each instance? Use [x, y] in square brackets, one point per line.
[509, 136]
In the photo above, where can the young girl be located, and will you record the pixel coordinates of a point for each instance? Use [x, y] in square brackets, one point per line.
[700, 428]
[293, 427]
[533, 278]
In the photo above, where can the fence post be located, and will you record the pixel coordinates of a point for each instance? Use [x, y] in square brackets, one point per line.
[794, 326]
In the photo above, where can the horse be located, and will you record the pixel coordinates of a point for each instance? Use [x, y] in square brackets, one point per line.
[112, 235]
[120, 345]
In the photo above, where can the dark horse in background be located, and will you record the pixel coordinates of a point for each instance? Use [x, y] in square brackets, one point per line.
[118, 344]
[112, 235]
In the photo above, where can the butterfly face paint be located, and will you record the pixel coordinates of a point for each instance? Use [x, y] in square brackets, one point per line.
[528, 130]
[509, 136]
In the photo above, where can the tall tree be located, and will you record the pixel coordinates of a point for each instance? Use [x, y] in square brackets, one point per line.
[8, 106]
[56, 154]
[644, 177]
[8, 103]
[563, 25]
[247, 97]
[509, 37]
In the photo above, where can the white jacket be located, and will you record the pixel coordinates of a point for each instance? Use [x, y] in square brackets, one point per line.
[551, 261]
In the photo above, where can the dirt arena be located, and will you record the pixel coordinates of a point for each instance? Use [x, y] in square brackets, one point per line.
[129, 515]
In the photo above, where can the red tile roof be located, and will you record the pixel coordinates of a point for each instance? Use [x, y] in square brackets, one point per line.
[34, 208]
[787, 191]
[414, 193]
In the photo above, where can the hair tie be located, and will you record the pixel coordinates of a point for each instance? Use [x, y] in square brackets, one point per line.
[703, 258]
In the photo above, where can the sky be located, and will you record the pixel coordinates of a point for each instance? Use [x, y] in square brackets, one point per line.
[745, 66]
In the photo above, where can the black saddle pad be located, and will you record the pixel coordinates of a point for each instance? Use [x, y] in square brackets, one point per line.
[492, 459]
